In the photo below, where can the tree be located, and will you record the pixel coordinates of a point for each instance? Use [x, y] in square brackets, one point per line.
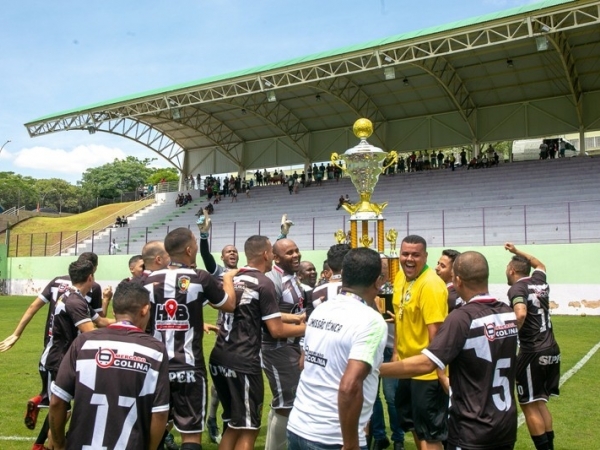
[113, 179]
[169, 174]
[58, 194]
[17, 190]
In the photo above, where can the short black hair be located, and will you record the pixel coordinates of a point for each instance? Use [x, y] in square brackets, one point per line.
[361, 267]
[134, 259]
[450, 253]
[80, 270]
[415, 239]
[89, 256]
[255, 245]
[521, 265]
[177, 240]
[129, 298]
[335, 256]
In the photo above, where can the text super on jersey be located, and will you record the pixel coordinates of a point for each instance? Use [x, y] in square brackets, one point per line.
[177, 297]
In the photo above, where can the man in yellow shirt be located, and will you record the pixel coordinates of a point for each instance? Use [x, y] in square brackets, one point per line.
[420, 305]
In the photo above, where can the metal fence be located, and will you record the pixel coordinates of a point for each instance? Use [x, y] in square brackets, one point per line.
[562, 223]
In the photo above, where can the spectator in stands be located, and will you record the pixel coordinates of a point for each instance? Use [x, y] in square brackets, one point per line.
[496, 158]
[543, 150]
[463, 158]
[472, 164]
[210, 208]
[234, 195]
[452, 161]
[118, 221]
[401, 165]
[440, 158]
[561, 148]
[123, 221]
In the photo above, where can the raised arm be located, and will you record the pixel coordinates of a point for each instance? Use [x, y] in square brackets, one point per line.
[535, 263]
[11, 340]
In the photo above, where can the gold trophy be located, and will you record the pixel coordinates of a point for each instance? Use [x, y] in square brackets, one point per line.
[364, 163]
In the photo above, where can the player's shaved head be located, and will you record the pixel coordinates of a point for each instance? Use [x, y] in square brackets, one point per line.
[177, 241]
[280, 246]
[151, 250]
[472, 268]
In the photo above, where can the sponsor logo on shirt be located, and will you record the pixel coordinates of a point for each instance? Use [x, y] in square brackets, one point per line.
[314, 357]
[172, 316]
[106, 359]
[494, 331]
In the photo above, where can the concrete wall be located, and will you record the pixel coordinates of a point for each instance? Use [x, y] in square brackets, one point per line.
[573, 272]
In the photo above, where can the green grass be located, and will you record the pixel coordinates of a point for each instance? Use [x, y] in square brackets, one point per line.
[576, 411]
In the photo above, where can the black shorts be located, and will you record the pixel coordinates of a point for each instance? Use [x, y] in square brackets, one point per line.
[241, 396]
[538, 375]
[422, 406]
[282, 368]
[188, 400]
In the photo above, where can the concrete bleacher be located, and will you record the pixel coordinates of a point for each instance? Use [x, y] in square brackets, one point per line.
[551, 201]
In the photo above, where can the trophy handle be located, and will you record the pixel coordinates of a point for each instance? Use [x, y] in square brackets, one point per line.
[334, 160]
[394, 160]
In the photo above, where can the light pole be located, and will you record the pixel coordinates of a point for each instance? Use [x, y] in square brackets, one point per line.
[2, 148]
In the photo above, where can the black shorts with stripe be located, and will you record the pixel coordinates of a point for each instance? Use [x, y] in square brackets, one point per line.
[241, 396]
[538, 375]
[188, 400]
[282, 368]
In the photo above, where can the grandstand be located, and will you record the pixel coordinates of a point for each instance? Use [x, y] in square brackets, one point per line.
[542, 202]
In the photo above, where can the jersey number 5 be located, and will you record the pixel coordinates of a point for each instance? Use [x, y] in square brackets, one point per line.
[503, 402]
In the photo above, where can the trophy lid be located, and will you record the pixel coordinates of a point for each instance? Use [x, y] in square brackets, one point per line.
[363, 128]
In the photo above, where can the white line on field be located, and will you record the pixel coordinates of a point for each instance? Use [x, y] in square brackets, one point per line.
[568, 374]
[16, 438]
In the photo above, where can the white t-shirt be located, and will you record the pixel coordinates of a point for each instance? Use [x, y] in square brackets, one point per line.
[340, 329]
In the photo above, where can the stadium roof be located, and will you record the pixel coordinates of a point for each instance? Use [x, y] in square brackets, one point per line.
[525, 72]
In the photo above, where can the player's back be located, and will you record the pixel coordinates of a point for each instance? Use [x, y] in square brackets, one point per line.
[177, 297]
[121, 373]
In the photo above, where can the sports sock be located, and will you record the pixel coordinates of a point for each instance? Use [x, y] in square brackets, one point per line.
[214, 402]
[41, 439]
[190, 446]
[550, 436]
[277, 432]
[541, 442]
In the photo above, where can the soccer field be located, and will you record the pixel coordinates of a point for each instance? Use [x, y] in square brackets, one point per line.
[576, 413]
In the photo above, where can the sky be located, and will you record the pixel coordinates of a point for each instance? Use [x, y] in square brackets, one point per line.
[61, 55]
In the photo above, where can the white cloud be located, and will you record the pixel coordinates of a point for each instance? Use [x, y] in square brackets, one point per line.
[56, 160]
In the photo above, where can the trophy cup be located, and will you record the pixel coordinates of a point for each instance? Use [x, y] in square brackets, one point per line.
[364, 164]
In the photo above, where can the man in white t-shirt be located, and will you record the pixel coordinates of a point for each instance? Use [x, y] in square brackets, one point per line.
[343, 349]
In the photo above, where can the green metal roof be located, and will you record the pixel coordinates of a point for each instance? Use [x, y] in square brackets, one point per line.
[316, 56]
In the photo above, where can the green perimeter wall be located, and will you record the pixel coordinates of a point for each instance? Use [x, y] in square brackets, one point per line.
[565, 263]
